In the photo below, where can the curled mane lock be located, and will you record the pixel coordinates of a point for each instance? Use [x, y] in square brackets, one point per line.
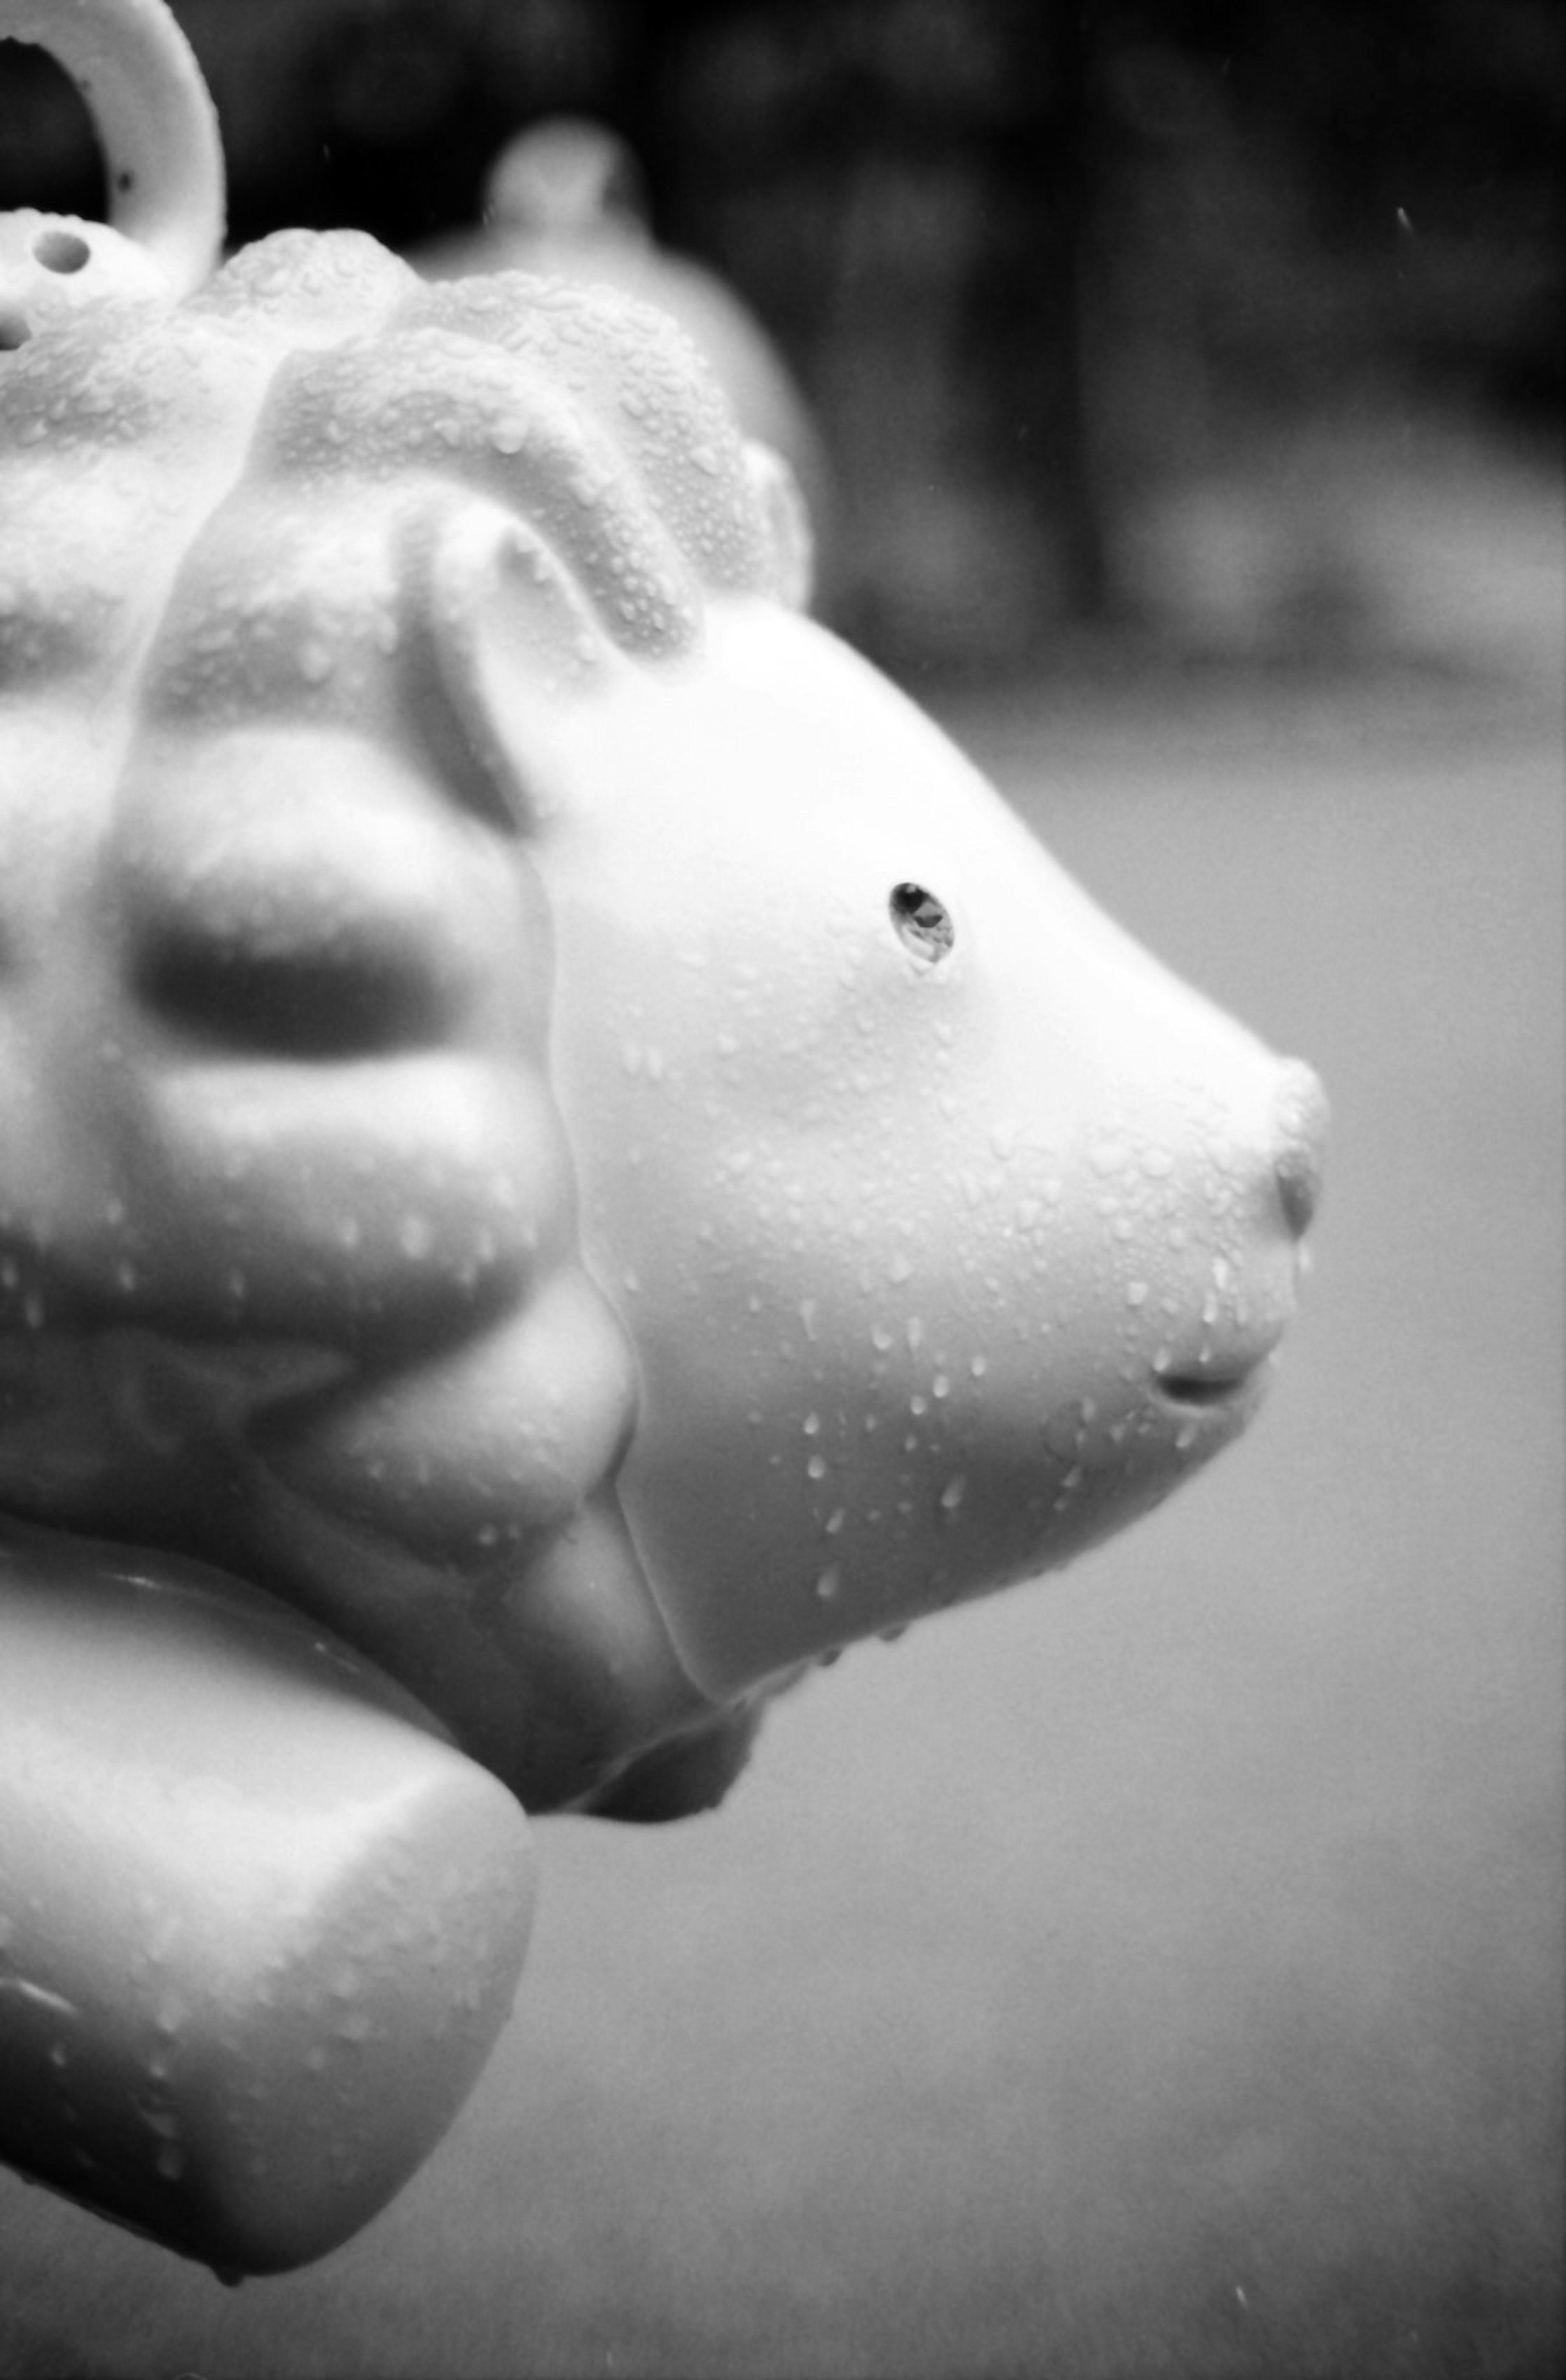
[315, 393]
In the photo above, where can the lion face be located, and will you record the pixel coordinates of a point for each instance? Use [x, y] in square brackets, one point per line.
[950, 1230]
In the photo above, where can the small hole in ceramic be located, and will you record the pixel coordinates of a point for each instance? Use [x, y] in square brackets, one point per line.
[923, 921]
[61, 251]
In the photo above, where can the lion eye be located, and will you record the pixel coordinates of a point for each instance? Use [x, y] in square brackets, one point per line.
[924, 923]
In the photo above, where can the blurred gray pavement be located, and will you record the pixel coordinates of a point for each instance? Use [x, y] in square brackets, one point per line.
[1157, 1970]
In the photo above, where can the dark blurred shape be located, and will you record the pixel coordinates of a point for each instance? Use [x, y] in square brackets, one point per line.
[681, 1779]
[396, 96]
[386, 114]
[48, 156]
[1092, 293]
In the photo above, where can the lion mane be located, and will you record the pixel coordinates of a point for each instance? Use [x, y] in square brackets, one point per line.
[322, 1232]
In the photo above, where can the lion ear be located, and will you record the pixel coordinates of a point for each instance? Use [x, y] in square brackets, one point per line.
[791, 537]
[501, 633]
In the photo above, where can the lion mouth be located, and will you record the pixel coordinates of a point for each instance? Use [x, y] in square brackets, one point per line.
[1202, 1389]
[1227, 1386]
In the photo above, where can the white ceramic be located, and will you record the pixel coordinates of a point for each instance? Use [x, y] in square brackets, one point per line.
[556, 1135]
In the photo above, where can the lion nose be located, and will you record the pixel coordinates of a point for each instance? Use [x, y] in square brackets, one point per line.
[1299, 1141]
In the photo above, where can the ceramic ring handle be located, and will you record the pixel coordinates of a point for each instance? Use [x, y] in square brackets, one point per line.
[154, 120]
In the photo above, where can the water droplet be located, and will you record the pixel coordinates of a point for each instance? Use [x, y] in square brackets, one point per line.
[828, 1583]
[818, 1466]
[812, 1425]
[1136, 1292]
[415, 1236]
[951, 1495]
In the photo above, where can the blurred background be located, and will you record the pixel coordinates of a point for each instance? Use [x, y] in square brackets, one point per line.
[1156, 1974]
[1143, 322]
